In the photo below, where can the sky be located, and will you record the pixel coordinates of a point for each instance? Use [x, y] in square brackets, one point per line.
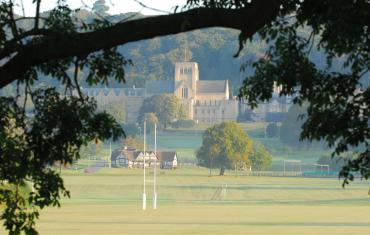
[115, 6]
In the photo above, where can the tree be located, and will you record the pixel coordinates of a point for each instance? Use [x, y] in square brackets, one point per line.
[165, 106]
[133, 142]
[92, 149]
[272, 130]
[291, 126]
[30, 143]
[260, 159]
[335, 163]
[183, 124]
[224, 146]
[151, 119]
[116, 109]
[338, 100]
[132, 129]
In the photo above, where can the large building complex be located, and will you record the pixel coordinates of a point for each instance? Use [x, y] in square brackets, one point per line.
[205, 101]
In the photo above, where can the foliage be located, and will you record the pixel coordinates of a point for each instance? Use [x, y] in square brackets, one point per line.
[132, 129]
[116, 109]
[335, 163]
[224, 145]
[133, 142]
[272, 130]
[338, 104]
[260, 159]
[39, 127]
[291, 127]
[91, 150]
[31, 143]
[165, 106]
[183, 124]
[151, 120]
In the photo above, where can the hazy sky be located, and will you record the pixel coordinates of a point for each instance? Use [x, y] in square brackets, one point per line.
[116, 6]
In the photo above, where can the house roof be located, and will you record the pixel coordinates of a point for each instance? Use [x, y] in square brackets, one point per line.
[166, 156]
[104, 91]
[159, 86]
[115, 154]
[131, 154]
[212, 86]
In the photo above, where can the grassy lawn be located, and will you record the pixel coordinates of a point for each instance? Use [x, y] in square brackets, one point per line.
[109, 202]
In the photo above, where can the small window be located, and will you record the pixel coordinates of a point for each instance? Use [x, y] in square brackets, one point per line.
[189, 70]
[185, 93]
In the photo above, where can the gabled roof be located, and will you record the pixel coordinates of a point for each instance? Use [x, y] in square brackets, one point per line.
[160, 86]
[212, 86]
[166, 156]
[131, 155]
[115, 154]
[103, 91]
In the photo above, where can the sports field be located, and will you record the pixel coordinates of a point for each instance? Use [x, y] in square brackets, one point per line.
[190, 202]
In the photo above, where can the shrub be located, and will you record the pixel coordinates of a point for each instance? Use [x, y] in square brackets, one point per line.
[183, 124]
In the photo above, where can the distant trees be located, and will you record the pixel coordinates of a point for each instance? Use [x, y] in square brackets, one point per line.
[272, 130]
[224, 145]
[151, 119]
[166, 107]
[132, 129]
[116, 109]
[183, 124]
[92, 150]
[133, 142]
[291, 126]
[335, 163]
[260, 159]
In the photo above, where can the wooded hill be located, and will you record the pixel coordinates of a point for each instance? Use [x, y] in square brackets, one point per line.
[155, 59]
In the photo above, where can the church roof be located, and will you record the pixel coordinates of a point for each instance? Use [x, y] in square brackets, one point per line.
[103, 91]
[159, 86]
[212, 86]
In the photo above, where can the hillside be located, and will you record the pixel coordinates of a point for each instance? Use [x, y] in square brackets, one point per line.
[212, 49]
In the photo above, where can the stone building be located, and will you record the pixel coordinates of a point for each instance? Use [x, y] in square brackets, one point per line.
[131, 99]
[205, 101]
[272, 111]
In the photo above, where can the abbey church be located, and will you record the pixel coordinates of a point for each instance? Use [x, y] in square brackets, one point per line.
[206, 101]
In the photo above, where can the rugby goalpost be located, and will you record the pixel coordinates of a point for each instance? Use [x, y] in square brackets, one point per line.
[155, 169]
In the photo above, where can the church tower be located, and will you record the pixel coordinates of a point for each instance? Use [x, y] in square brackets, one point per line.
[186, 77]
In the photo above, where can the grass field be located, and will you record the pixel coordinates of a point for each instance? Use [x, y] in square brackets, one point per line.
[109, 202]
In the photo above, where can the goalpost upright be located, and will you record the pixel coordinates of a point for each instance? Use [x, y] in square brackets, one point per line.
[144, 193]
[155, 168]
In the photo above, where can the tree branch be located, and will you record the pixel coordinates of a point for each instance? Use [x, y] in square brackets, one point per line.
[38, 3]
[248, 20]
